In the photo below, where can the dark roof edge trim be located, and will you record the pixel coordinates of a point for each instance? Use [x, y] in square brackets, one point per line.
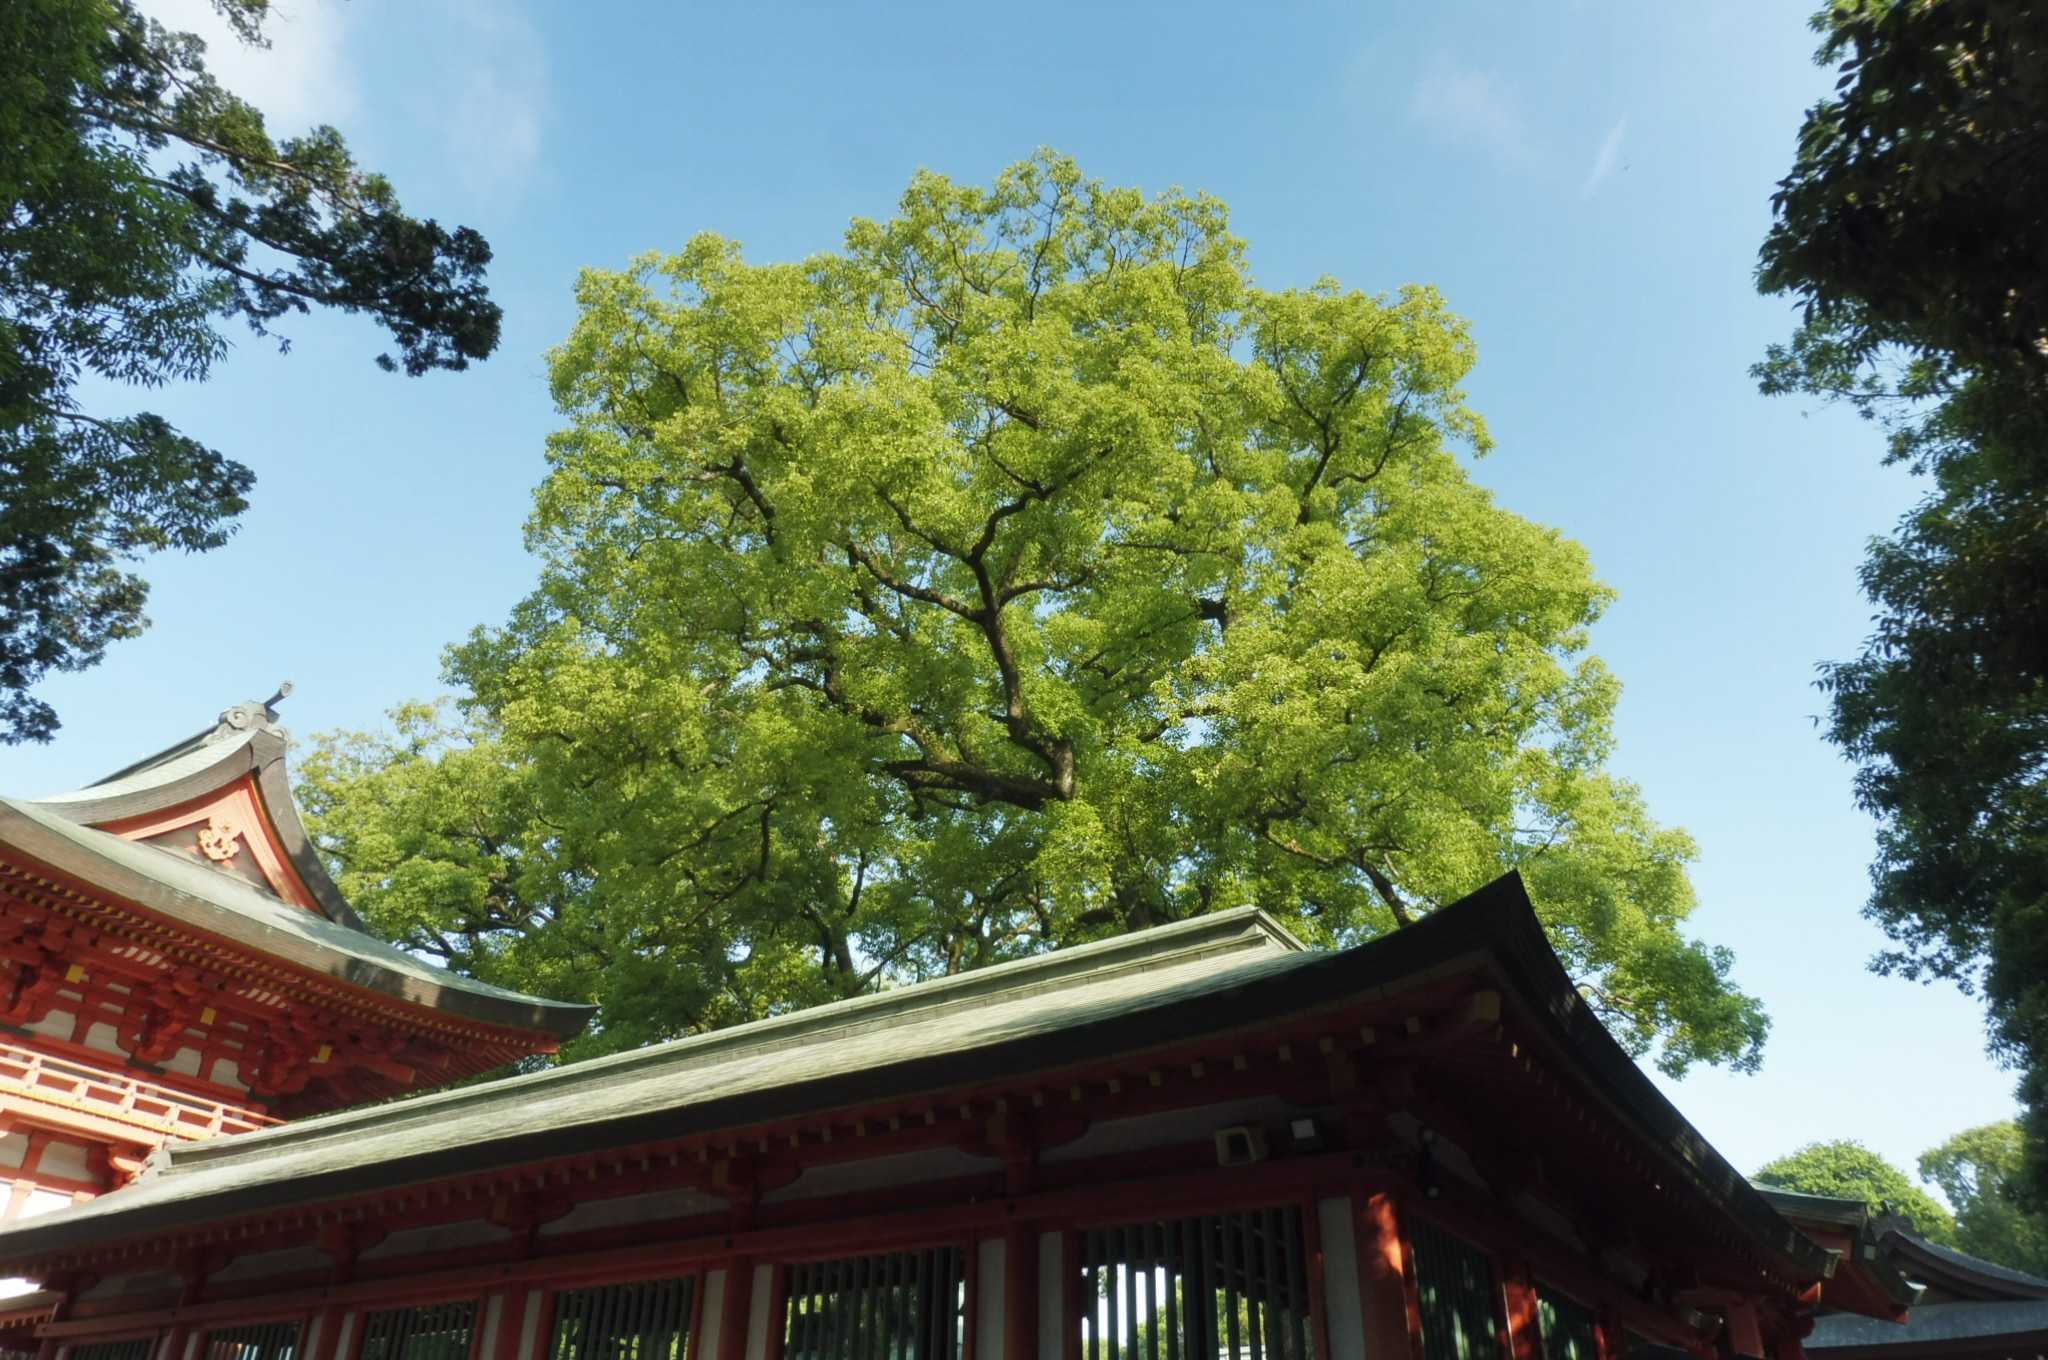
[79, 863]
[1495, 924]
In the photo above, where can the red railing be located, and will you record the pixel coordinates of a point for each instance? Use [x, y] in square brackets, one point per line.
[39, 1077]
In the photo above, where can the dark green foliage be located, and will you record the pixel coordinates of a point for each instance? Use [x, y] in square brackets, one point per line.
[1977, 1170]
[1913, 230]
[145, 204]
[1845, 1169]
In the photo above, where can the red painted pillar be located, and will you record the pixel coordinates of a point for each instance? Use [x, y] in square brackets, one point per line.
[1386, 1293]
[1610, 1342]
[1745, 1335]
[1020, 1293]
[329, 1348]
[735, 1314]
[511, 1324]
[778, 1311]
[1525, 1322]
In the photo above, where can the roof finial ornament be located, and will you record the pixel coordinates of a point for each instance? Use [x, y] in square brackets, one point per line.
[261, 716]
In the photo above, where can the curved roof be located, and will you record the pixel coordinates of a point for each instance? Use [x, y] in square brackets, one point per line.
[1227, 974]
[2011, 1327]
[1958, 1272]
[245, 741]
[1869, 1280]
[63, 833]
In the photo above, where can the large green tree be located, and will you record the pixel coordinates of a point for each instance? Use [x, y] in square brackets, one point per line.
[1845, 1169]
[1977, 1171]
[1018, 574]
[142, 205]
[1913, 232]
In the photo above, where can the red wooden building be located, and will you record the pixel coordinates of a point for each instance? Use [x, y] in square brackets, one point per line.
[1963, 1307]
[176, 965]
[1196, 1142]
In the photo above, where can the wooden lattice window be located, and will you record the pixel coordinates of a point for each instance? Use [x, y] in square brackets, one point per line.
[259, 1341]
[1232, 1285]
[646, 1320]
[1568, 1327]
[441, 1331]
[906, 1305]
[133, 1348]
[1461, 1304]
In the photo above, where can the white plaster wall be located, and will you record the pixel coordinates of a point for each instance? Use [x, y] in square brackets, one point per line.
[185, 1062]
[873, 1173]
[990, 1264]
[1171, 1126]
[493, 1314]
[1052, 1298]
[472, 1232]
[758, 1321]
[68, 1160]
[531, 1342]
[714, 1312]
[624, 1209]
[1342, 1306]
[256, 1265]
[55, 1025]
[13, 1147]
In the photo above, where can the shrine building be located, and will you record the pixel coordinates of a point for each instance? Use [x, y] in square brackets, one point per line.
[1198, 1142]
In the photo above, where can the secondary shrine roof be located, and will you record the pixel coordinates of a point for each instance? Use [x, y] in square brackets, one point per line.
[206, 835]
[1224, 978]
[2017, 1327]
[1958, 1272]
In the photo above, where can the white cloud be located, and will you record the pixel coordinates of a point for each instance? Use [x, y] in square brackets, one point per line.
[302, 79]
[492, 106]
[1462, 104]
[482, 113]
[1605, 159]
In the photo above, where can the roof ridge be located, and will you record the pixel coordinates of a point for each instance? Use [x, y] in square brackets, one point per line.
[1963, 1260]
[1219, 933]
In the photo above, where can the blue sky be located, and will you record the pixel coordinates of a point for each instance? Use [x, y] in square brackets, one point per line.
[1586, 182]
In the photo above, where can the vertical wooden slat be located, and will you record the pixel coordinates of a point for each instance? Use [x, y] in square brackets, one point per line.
[1304, 1236]
[1279, 1288]
[837, 1302]
[1170, 1262]
[1232, 1260]
[804, 1312]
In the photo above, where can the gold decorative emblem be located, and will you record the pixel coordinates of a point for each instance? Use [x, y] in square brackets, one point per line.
[220, 840]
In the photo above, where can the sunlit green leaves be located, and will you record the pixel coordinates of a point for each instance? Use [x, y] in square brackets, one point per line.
[1023, 573]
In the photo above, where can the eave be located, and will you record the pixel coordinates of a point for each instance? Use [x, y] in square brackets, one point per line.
[1501, 1012]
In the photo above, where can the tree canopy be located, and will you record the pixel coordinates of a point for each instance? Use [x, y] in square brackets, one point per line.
[1017, 574]
[145, 205]
[1912, 231]
[1845, 1169]
[1977, 1171]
